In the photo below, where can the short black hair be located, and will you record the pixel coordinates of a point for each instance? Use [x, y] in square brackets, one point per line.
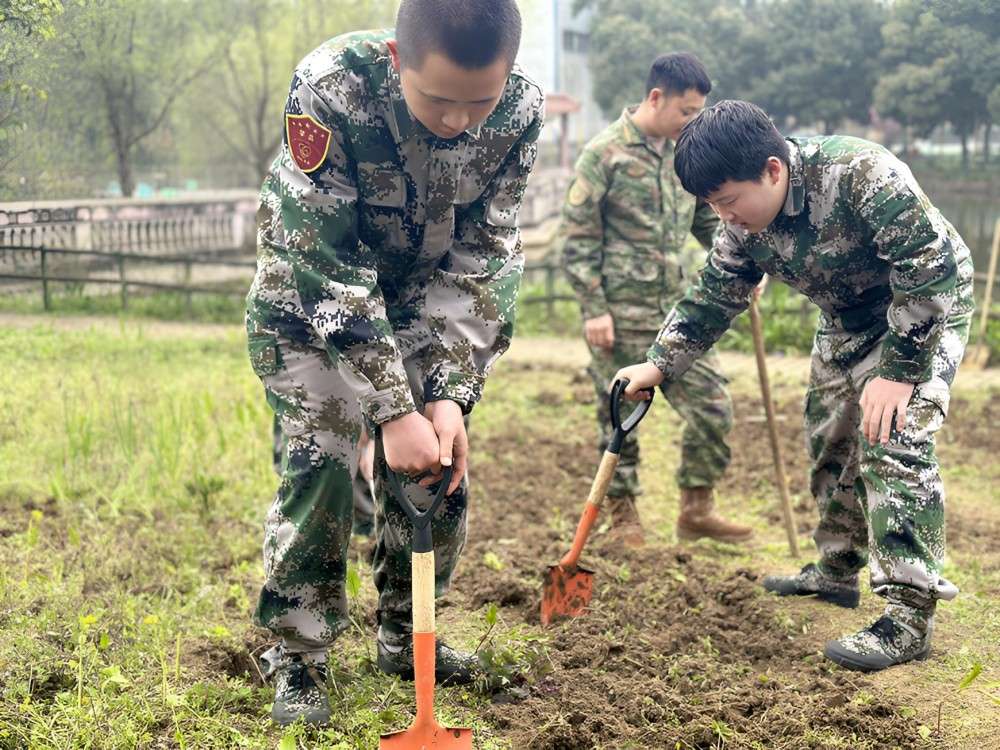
[731, 140]
[471, 33]
[676, 73]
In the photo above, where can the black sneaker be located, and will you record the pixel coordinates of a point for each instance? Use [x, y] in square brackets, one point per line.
[884, 643]
[811, 581]
[451, 667]
[300, 691]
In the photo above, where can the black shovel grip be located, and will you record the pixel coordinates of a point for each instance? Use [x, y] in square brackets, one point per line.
[421, 520]
[624, 428]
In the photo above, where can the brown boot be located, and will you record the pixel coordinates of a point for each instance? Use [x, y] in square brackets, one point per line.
[626, 527]
[698, 518]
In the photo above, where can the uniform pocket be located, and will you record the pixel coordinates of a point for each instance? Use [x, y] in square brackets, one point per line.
[263, 350]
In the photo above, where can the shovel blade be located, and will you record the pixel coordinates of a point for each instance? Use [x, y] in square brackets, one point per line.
[566, 593]
[430, 736]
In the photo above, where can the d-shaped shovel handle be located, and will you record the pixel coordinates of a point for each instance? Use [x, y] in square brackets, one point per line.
[606, 471]
[423, 541]
[624, 428]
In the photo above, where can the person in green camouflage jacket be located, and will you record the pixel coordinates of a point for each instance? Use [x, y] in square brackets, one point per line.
[625, 222]
[389, 260]
[844, 222]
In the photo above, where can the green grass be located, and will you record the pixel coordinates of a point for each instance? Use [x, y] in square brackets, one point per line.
[134, 477]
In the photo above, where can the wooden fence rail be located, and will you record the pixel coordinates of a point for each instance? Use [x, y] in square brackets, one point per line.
[547, 268]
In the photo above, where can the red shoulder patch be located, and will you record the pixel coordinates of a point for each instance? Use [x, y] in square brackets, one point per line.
[308, 141]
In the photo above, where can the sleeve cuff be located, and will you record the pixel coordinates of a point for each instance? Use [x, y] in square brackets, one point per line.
[382, 406]
[464, 388]
[593, 307]
[657, 356]
[905, 363]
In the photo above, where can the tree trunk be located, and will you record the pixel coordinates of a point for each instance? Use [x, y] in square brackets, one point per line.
[125, 177]
[986, 142]
[965, 150]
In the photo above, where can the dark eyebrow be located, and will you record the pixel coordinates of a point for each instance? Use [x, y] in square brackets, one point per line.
[455, 101]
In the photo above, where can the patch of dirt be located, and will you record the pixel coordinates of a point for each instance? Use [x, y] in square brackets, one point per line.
[674, 650]
[238, 660]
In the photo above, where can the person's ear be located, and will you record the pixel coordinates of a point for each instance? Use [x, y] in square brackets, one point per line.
[773, 169]
[393, 46]
[654, 97]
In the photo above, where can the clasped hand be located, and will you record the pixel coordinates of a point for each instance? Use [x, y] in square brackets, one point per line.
[420, 443]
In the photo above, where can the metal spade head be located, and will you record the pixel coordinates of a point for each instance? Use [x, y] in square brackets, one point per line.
[566, 592]
[428, 736]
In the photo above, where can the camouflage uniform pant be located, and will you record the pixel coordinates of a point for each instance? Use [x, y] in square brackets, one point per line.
[701, 399]
[883, 501]
[363, 500]
[308, 528]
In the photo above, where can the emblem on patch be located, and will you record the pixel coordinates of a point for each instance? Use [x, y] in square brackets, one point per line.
[579, 193]
[307, 140]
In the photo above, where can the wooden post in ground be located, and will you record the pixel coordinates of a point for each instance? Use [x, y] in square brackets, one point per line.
[187, 285]
[976, 360]
[121, 278]
[772, 427]
[46, 300]
[550, 289]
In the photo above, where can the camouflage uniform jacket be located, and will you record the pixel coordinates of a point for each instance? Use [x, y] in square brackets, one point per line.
[625, 220]
[379, 241]
[860, 239]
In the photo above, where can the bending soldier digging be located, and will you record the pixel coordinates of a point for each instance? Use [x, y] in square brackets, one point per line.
[388, 266]
[843, 221]
[625, 221]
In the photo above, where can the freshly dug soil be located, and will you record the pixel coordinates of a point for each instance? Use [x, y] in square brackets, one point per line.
[678, 651]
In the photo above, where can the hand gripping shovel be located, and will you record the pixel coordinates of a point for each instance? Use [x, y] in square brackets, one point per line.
[424, 733]
[568, 588]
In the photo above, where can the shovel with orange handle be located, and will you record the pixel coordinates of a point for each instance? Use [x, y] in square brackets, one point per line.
[424, 733]
[568, 588]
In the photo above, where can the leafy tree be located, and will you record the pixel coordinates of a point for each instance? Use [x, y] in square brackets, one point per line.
[242, 96]
[953, 49]
[130, 60]
[812, 60]
[822, 58]
[23, 23]
[627, 35]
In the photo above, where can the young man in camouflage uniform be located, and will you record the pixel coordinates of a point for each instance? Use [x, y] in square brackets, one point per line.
[844, 222]
[625, 222]
[388, 266]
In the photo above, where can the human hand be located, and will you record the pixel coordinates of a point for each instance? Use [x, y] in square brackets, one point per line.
[600, 331]
[639, 377]
[879, 400]
[411, 444]
[453, 442]
[758, 291]
[366, 460]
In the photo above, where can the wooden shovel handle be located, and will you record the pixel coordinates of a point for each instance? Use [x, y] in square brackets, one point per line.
[598, 491]
[422, 588]
[772, 429]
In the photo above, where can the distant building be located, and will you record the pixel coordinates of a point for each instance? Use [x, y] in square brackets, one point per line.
[555, 46]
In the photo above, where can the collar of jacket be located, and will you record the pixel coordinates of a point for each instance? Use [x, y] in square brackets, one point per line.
[631, 134]
[401, 122]
[795, 200]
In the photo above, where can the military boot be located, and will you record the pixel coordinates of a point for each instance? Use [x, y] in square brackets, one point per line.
[626, 527]
[811, 581]
[902, 634]
[300, 690]
[451, 667]
[698, 518]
